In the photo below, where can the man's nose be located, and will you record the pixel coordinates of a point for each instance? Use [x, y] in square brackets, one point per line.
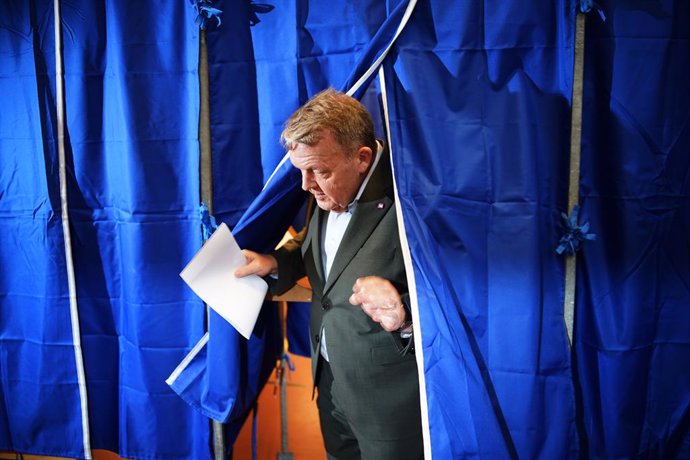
[307, 180]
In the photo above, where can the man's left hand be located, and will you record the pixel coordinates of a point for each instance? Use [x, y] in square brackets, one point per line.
[380, 300]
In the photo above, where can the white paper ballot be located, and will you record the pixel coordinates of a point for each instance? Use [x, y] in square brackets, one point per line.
[210, 275]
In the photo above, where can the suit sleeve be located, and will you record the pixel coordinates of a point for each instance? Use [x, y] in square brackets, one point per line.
[290, 265]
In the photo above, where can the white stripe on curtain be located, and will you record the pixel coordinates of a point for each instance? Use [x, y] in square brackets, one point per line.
[69, 262]
[411, 285]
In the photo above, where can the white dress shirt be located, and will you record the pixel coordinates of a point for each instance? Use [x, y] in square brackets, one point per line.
[332, 232]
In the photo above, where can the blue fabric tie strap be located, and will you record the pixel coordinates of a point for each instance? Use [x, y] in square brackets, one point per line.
[288, 362]
[208, 222]
[284, 362]
[255, 9]
[575, 234]
[205, 12]
[587, 5]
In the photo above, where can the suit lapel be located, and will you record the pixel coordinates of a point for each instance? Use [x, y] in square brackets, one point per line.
[314, 242]
[375, 202]
[364, 220]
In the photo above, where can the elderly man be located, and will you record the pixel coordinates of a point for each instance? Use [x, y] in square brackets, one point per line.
[361, 327]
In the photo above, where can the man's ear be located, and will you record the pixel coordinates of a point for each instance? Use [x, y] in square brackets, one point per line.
[364, 158]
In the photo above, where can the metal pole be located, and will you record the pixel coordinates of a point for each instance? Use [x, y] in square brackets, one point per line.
[206, 186]
[284, 453]
[574, 177]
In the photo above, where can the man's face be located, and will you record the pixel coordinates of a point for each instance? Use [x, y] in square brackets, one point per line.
[331, 173]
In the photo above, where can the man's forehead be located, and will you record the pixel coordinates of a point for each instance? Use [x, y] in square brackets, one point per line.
[321, 152]
[307, 156]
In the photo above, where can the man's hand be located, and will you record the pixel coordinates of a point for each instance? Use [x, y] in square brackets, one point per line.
[257, 264]
[380, 300]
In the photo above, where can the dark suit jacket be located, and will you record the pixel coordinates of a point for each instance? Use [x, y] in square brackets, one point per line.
[371, 375]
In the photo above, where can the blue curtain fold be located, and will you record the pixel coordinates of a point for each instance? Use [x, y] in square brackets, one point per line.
[236, 153]
[632, 337]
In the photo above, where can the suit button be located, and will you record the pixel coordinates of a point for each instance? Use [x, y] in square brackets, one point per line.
[326, 304]
[316, 338]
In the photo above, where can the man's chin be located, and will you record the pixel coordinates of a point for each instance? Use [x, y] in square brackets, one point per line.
[326, 204]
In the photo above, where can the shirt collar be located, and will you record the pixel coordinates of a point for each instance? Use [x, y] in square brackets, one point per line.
[379, 150]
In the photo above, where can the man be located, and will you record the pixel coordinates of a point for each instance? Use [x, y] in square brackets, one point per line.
[368, 392]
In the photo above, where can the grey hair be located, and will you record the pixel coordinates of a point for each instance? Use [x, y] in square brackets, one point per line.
[330, 110]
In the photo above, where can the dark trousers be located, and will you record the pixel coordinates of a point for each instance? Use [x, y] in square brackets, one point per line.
[342, 439]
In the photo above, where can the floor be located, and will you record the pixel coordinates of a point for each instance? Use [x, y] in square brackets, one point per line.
[304, 437]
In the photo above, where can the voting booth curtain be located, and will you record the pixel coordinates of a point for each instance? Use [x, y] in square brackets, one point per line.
[131, 162]
[475, 100]
[632, 338]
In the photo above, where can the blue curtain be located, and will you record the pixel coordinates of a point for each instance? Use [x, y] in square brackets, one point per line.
[479, 118]
[37, 364]
[632, 337]
[132, 160]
